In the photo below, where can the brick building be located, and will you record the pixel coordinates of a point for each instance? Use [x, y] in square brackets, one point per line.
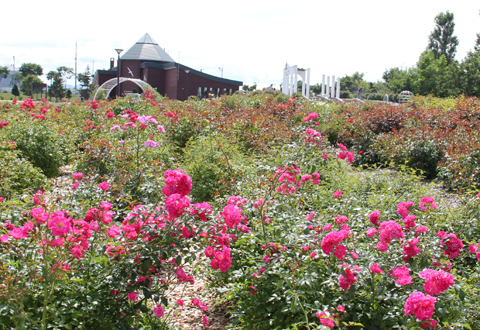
[148, 62]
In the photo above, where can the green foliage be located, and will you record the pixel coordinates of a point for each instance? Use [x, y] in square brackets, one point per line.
[26, 84]
[213, 162]
[15, 90]
[57, 90]
[4, 72]
[85, 78]
[18, 175]
[42, 146]
[27, 69]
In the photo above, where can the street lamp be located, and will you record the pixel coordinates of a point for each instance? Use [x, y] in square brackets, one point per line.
[186, 91]
[118, 71]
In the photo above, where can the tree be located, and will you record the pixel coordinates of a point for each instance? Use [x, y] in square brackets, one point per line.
[65, 73]
[85, 78]
[31, 68]
[16, 78]
[56, 89]
[398, 80]
[441, 40]
[68, 94]
[353, 83]
[26, 84]
[15, 90]
[470, 74]
[4, 72]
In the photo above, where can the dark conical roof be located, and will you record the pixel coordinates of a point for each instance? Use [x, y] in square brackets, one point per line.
[146, 49]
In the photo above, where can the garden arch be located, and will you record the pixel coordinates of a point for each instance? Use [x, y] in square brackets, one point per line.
[110, 84]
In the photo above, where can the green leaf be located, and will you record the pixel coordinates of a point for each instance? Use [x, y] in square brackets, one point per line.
[279, 284]
[461, 294]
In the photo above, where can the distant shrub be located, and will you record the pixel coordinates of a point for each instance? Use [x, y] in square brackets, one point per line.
[212, 162]
[41, 145]
[346, 95]
[16, 173]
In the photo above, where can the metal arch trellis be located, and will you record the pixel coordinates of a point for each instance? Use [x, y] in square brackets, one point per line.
[110, 84]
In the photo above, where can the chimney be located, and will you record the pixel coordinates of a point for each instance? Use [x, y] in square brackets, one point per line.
[112, 62]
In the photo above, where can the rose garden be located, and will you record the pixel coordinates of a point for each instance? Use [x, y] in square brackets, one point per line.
[299, 214]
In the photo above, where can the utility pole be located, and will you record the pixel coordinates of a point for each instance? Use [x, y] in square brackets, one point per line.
[13, 76]
[75, 67]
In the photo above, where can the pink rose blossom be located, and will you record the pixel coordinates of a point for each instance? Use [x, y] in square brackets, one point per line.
[371, 232]
[373, 217]
[58, 224]
[78, 176]
[113, 231]
[340, 252]
[158, 311]
[133, 296]
[337, 193]
[420, 305]
[473, 248]
[402, 275]
[341, 219]
[436, 281]
[325, 319]
[104, 186]
[375, 268]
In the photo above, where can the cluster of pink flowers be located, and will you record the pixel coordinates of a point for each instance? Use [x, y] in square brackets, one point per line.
[389, 230]
[102, 214]
[77, 177]
[201, 210]
[289, 176]
[475, 249]
[177, 182]
[427, 200]
[349, 279]
[402, 275]
[410, 249]
[333, 239]
[220, 257]
[326, 319]
[402, 208]
[151, 144]
[420, 305]
[104, 185]
[313, 136]
[199, 304]
[182, 277]
[343, 154]
[232, 214]
[313, 115]
[436, 281]
[3, 123]
[172, 115]
[453, 243]
[375, 268]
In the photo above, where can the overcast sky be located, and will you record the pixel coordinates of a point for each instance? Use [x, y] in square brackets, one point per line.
[250, 40]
